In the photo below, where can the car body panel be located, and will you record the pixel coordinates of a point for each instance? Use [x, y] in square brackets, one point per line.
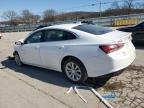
[51, 53]
[85, 48]
[112, 62]
[29, 54]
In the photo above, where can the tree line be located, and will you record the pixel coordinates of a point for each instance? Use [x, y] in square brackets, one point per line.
[27, 17]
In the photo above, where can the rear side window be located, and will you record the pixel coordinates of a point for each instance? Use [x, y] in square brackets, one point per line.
[93, 29]
[58, 35]
[68, 35]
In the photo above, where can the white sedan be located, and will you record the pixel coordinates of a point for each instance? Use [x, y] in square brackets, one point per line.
[78, 50]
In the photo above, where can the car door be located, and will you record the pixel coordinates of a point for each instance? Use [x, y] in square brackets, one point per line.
[54, 47]
[30, 49]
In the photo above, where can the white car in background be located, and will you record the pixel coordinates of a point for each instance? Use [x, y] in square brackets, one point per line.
[0, 35]
[78, 50]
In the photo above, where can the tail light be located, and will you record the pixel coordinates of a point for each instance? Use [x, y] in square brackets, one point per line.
[111, 48]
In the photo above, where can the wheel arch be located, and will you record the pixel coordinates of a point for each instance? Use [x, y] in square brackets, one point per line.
[84, 67]
[70, 56]
[15, 52]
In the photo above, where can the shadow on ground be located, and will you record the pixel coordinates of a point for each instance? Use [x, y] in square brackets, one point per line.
[53, 77]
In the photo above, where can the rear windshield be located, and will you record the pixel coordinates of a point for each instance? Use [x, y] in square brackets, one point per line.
[93, 29]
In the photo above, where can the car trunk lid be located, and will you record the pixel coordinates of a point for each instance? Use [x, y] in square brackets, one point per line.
[120, 39]
[117, 36]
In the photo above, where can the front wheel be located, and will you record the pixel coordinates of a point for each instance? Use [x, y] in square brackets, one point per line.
[75, 70]
[17, 59]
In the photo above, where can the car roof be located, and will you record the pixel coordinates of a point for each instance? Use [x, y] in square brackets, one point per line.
[62, 26]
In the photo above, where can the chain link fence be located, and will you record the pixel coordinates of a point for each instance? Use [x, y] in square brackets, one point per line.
[122, 20]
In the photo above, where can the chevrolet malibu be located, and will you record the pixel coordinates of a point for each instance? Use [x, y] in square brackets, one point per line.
[78, 50]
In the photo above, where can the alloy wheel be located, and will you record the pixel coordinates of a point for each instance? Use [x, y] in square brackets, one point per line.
[73, 71]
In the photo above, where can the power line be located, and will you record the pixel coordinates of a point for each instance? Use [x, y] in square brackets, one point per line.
[94, 4]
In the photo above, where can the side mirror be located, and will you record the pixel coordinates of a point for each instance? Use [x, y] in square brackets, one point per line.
[18, 43]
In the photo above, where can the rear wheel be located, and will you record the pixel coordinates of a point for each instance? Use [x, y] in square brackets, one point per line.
[74, 70]
[17, 59]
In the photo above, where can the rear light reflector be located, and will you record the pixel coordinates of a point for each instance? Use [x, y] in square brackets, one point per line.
[111, 48]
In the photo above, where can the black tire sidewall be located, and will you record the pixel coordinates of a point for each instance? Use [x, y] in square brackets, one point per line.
[19, 59]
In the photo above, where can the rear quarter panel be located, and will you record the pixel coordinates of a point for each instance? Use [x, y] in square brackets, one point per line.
[83, 52]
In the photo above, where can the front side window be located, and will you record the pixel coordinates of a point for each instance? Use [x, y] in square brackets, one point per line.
[34, 38]
[58, 35]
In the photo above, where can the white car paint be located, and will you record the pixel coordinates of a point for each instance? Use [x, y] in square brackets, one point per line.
[86, 48]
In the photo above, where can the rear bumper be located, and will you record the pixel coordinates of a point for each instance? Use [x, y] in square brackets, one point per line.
[110, 63]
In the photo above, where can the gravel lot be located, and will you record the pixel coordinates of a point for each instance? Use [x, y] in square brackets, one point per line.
[34, 87]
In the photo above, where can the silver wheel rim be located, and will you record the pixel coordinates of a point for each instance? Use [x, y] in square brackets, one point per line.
[73, 71]
[17, 60]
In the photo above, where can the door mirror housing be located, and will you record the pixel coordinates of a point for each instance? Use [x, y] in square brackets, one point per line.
[19, 43]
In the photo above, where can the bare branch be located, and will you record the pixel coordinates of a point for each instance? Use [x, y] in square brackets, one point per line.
[49, 15]
[11, 16]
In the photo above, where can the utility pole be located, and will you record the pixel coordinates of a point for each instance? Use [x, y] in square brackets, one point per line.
[100, 8]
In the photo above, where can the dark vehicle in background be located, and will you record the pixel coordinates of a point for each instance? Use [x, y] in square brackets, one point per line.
[137, 32]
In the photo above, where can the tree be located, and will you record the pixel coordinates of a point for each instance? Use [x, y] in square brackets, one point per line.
[11, 16]
[28, 17]
[36, 18]
[128, 4]
[49, 15]
[139, 5]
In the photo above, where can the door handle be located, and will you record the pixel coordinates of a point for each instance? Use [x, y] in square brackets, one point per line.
[60, 47]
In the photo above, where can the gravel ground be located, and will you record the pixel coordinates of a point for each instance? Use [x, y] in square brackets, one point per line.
[127, 89]
[34, 87]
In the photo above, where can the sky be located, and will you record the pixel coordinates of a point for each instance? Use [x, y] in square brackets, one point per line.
[41, 5]
[38, 6]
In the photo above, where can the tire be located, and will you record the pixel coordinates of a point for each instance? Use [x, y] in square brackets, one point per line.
[17, 59]
[74, 70]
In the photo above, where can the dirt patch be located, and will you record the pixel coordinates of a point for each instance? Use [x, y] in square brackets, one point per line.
[113, 86]
[136, 68]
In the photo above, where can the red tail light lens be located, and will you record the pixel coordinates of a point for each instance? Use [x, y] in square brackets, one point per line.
[111, 48]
